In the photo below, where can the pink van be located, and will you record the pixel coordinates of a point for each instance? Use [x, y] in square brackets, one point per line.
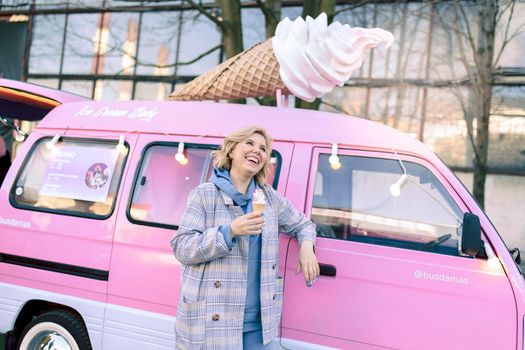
[90, 203]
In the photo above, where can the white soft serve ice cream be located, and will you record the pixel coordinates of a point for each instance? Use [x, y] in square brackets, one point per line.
[258, 196]
[314, 57]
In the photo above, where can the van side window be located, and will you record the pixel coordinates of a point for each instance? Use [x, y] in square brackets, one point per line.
[71, 177]
[361, 202]
[163, 184]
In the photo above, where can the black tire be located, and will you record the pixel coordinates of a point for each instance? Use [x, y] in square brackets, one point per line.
[62, 325]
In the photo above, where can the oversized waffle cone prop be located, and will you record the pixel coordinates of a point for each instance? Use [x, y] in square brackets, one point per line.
[254, 72]
[305, 58]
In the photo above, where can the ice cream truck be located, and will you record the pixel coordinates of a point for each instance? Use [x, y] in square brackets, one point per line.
[88, 207]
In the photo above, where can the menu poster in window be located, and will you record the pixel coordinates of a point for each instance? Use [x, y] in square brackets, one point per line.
[80, 172]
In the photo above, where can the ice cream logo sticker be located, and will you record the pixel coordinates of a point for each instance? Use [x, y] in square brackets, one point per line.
[141, 113]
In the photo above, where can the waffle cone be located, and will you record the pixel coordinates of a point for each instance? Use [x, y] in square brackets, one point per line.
[252, 73]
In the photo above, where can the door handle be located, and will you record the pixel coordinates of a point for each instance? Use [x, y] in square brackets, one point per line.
[327, 270]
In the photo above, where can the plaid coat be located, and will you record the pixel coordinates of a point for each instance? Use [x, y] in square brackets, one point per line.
[214, 278]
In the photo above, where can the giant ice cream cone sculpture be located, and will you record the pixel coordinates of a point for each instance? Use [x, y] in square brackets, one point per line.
[304, 58]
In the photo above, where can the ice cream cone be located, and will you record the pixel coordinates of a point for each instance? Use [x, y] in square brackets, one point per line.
[259, 201]
[254, 72]
[258, 207]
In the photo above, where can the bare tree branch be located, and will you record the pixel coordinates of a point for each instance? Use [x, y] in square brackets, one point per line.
[160, 66]
[336, 107]
[470, 36]
[462, 48]
[468, 121]
[506, 6]
[212, 18]
[506, 38]
[350, 8]
[267, 11]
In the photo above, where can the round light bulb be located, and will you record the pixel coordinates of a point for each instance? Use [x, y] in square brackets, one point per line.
[333, 159]
[184, 161]
[493, 262]
[335, 166]
[20, 137]
[121, 148]
[179, 157]
[395, 190]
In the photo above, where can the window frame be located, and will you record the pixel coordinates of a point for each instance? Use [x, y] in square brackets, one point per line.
[378, 154]
[175, 144]
[29, 155]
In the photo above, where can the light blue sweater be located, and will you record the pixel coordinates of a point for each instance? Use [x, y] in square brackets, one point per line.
[252, 310]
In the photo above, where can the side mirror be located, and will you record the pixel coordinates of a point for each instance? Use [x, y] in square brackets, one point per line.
[515, 252]
[470, 243]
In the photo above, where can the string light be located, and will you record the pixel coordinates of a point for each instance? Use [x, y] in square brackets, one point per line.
[20, 135]
[51, 145]
[180, 157]
[395, 188]
[493, 260]
[121, 147]
[334, 159]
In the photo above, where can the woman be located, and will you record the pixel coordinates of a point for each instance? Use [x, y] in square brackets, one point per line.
[231, 293]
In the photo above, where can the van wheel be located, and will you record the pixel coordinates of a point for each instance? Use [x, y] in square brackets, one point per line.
[57, 330]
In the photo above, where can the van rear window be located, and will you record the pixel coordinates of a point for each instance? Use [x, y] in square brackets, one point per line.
[70, 176]
[163, 183]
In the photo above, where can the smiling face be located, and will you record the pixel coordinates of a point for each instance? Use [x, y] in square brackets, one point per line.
[249, 156]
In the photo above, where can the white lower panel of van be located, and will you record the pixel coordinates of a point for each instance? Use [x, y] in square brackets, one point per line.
[13, 298]
[286, 343]
[130, 329]
[124, 328]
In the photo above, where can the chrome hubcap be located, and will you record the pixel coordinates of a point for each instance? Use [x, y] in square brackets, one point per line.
[49, 340]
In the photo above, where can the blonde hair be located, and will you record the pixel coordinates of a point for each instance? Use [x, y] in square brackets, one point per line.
[222, 158]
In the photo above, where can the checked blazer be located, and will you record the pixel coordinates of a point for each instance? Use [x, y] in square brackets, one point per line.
[214, 278]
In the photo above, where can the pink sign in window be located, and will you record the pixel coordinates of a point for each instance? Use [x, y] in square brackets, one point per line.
[73, 177]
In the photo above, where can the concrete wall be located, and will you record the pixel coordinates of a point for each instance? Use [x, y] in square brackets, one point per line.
[504, 204]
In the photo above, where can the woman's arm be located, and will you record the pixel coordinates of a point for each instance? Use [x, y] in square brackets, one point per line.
[194, 243]
[293, 222]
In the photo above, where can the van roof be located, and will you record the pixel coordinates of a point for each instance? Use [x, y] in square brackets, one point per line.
[220, 119]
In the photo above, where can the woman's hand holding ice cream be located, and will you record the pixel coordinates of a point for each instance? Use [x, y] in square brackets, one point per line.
[249, 224]
[252, 223]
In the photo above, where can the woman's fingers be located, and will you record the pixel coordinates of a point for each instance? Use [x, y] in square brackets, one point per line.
[308, 273]
[249, 224]
[310, 269]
